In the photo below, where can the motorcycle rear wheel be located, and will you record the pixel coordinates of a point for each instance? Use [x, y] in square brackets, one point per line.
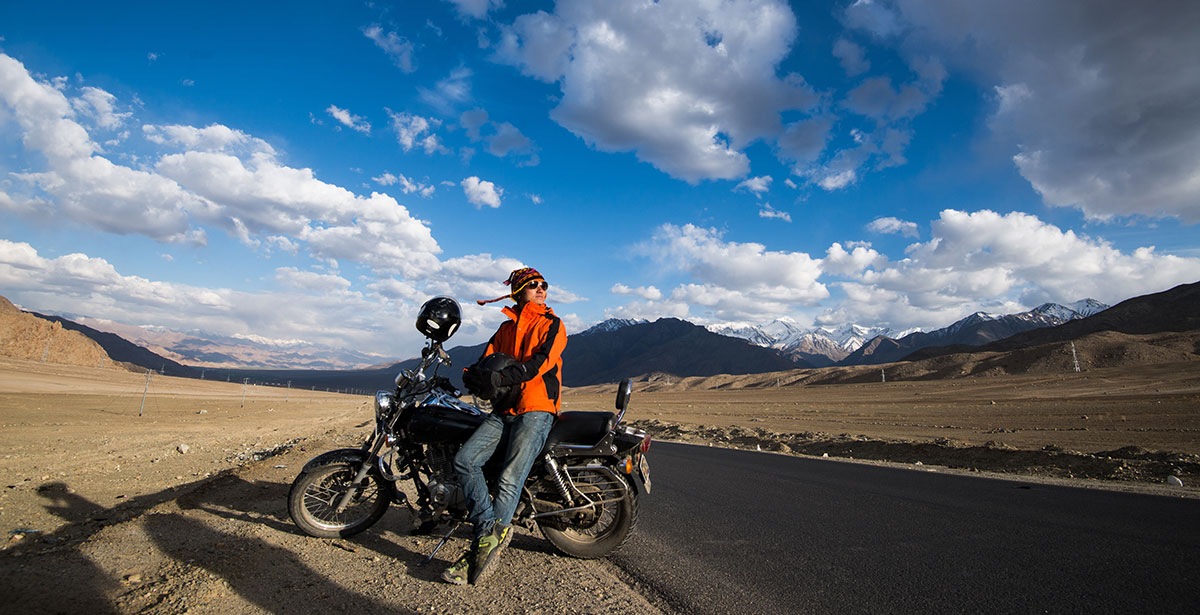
[316, 492]
[605, 529]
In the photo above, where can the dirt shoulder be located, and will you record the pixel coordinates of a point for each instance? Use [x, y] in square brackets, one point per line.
[104, 513]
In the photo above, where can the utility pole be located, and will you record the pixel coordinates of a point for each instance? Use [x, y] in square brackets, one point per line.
[144, 391]
[288, 393]
[245, 382]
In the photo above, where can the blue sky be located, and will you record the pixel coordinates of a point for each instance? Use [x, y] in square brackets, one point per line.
[311, 174]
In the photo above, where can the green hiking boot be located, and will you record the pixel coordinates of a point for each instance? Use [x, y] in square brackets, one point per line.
[458, 572]
[487, 552]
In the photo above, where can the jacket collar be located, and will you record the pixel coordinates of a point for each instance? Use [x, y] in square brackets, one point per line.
[532, 309]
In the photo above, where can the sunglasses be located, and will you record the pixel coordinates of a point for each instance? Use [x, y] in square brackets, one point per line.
[536, 284]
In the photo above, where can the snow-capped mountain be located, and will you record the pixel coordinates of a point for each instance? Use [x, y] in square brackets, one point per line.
[612, 324]
[974, 330]
[854, 344]
[819, 346]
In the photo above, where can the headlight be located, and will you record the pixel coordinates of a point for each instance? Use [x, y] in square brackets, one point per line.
[384, 402]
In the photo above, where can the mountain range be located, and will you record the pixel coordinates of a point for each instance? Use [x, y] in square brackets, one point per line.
[670, 348]
[858, 345]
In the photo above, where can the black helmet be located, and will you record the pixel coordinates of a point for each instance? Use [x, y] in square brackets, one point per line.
[439, 318]
[502, 398]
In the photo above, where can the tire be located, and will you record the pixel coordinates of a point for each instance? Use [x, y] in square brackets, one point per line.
[600, 534]
[317, 490]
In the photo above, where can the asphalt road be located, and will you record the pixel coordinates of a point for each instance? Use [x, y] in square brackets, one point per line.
[729, 531]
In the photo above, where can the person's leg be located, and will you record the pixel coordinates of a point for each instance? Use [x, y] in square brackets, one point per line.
[469, 464]
[527, 435]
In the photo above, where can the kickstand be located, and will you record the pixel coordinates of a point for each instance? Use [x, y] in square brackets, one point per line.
[439, 544]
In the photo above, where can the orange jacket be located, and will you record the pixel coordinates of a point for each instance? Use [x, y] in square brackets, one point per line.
[535, 337]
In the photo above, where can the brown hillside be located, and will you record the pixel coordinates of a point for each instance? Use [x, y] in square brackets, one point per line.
[1105, 349]
[25, 336]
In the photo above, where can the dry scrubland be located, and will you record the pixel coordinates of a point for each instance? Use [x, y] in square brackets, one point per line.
[177, 510]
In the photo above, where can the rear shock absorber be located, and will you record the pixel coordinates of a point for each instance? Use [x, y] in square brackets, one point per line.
[556, 476]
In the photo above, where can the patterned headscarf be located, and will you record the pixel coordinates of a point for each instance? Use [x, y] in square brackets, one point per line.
[516, 281]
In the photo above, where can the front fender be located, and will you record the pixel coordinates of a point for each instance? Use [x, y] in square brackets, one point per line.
[356, 457]
[341, 455]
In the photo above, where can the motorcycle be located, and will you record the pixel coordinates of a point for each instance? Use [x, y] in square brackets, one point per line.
[582, 492]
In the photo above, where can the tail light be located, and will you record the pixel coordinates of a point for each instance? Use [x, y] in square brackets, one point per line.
[646, 443]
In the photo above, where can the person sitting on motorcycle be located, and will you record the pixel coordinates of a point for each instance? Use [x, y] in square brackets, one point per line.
[534, 337]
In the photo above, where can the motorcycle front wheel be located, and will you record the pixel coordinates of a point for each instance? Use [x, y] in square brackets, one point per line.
[596, 532]
[313, 500]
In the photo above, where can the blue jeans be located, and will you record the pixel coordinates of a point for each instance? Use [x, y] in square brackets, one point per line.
[526, 434]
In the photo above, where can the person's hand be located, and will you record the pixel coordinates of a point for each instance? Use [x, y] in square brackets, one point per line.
[481, 383]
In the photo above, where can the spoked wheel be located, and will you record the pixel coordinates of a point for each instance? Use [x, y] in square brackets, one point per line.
[315, 494]
[599, 530]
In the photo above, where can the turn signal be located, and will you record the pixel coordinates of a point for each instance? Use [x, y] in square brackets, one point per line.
[629, 465]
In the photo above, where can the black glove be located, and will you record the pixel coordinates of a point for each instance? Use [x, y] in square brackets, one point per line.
[481, 383]
[513, 374]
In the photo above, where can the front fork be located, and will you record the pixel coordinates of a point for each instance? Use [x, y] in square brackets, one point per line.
[374, 444]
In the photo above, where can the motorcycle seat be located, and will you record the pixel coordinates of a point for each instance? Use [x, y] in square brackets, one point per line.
[583, 428]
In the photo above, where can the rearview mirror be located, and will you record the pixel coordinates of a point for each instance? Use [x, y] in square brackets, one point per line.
[624, 390]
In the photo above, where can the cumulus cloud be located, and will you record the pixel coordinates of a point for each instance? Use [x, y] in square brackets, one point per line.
[687, 86]
[771, 213]
[451, 91]
[311, 281]
[852, 57]
[1100, 119]
[477, 9]
[987, 261]
[480, 192]
[891, 225]
[645, 292]
[212, 138]
[349, 120]
[757, 185]
[100, 106]
[407, 186]
[502, 138]
[399, 49]
[416, 131]
[728, 280]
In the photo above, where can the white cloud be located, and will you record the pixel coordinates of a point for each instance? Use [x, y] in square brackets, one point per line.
[502, 137]
[1100, 119]
[771, 213]
[407, 186]
[100, 106]
[311, 281]
[349, 119]
[838, 261]
[477, 9]
[851, 56]
[453, 90]
[757, 185]
[988, 261]
[212, 138]
[399, 49]
[649, 293]
[892, 225]
[730, 280]
[480, 192]
[640, 77]
[838, 180]
[411, 131]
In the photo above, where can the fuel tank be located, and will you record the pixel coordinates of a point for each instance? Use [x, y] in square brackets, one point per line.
[442, 424]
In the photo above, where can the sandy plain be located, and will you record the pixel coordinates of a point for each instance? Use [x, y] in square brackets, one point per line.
[182, 509]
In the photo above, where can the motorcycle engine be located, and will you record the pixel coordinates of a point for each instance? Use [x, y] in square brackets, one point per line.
[444, 490]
